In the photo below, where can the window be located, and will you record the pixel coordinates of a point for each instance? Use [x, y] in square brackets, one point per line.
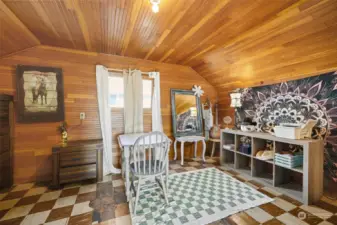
[116, 92]
[147, 93]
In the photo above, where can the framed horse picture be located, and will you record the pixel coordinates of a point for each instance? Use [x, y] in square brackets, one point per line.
[39, 94]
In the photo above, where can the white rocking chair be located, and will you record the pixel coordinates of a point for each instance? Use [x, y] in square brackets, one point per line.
[149, 162]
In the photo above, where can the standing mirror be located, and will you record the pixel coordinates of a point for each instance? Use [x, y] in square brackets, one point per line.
[186, 113]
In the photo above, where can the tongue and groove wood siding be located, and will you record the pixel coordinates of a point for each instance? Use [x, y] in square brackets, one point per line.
[33, 142]
[298, 42]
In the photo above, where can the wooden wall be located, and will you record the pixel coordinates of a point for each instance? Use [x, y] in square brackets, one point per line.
[33, 142]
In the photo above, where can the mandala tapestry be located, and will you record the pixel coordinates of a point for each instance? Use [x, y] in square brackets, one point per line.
[297, 101]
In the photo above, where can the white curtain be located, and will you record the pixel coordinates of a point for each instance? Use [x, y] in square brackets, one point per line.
[102, 82]
[157, 124]
[133, 102]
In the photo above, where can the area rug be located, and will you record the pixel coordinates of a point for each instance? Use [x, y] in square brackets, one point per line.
[197, 197]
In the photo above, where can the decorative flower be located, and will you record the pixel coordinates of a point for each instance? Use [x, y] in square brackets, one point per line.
[63, 127]
[197, 90]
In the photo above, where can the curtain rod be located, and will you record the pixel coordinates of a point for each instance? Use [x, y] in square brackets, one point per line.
[119, 70]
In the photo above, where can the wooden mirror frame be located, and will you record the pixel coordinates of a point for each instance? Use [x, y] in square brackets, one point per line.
[199, 131]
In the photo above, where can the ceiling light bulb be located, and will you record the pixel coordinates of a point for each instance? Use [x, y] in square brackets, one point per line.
[155, 8]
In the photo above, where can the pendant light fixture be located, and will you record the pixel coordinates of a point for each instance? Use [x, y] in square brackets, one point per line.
[155, 5]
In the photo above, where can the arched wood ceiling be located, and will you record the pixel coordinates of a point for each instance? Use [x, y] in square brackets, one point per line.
[179, 33]
[225, 41]
[14, 35]
[298, 42]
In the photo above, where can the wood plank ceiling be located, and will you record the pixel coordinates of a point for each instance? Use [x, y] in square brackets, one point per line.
[180, 31]
[215, 37]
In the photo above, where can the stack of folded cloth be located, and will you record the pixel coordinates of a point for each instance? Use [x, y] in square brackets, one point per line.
[229, 147]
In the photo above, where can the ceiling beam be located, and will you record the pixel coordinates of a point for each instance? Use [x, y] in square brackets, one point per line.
[131, 25]
[18, 22]
[74, 5]
[283, 13]
[213, 34]
[196, 27]
[160, 40]
[38, 6]
[166, 55]
[203, 51]
[16, 52]
[170, 28]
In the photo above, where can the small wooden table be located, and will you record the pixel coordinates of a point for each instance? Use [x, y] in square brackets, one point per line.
[76, 161]
[194, 139]
[214, 144]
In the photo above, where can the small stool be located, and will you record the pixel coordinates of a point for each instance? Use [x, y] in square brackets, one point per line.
[194, 139]
[214, 143]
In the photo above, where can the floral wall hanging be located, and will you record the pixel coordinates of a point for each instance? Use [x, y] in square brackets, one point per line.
[297, 101]
[197, 91]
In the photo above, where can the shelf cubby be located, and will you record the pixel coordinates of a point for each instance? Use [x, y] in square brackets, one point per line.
[263, 170]
[228, 138]
[238, 144]
[281, 146]
[304, 183]
[227, 155]
[228, 158]
[289, 180]
[243, 163]
[259, 144]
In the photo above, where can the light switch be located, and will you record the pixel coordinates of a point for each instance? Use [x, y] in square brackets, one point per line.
[82, 115]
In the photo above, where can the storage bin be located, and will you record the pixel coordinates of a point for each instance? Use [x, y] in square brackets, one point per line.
[245, 148]
[288, 161]
[295, 131]
[288, 132]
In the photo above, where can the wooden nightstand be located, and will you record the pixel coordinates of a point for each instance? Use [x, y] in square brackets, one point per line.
[76, 161]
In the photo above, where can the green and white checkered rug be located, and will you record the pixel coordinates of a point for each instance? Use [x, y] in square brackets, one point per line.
[197, 197]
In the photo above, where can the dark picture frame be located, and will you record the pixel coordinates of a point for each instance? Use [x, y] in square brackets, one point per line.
[39, 116]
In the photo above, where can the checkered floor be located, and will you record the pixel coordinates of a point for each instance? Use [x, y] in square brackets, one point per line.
[105, 203]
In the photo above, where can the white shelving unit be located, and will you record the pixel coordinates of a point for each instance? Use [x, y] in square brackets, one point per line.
[304, 183]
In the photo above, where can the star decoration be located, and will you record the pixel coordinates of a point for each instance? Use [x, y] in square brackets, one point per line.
[197, 90]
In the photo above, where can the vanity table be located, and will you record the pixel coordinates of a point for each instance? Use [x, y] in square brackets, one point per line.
[187, 121]
[193, 139]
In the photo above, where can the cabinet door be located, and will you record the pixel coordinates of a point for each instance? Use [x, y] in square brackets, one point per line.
[76, 173]
[5, 170]
[5, 145]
